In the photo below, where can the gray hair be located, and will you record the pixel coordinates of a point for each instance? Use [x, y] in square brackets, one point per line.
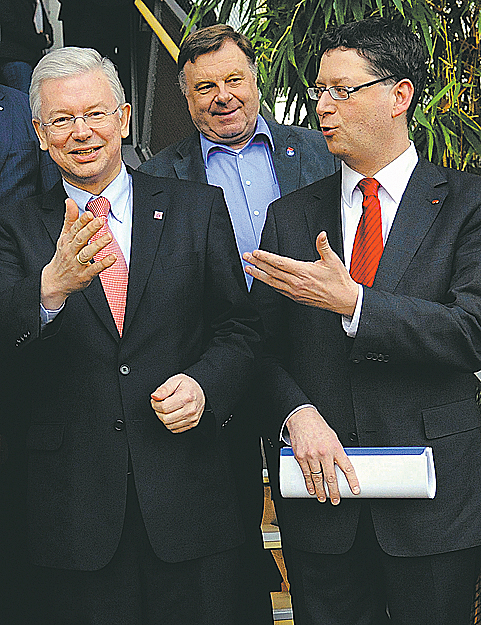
[183, 81]
[65, 62]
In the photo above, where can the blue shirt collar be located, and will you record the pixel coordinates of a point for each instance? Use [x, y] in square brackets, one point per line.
[114, 192]
[262, 132]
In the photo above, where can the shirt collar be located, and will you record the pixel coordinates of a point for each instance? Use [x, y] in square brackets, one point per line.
[393, 178]
[262, 133]
[115, 192]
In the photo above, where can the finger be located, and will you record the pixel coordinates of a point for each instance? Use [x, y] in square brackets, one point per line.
[98, 266]
[71, 214]
[166, 389]
[306, 471]
[89, 250]
[265, 260]
[322, 245]
[317, 478]
[347, 468]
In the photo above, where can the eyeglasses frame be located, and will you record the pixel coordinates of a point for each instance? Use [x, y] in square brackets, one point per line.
[73, 119]
[349, 90]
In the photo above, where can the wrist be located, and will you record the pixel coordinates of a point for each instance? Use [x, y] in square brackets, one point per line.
[51, 296]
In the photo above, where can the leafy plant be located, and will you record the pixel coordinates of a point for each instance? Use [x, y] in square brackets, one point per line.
[286, 35]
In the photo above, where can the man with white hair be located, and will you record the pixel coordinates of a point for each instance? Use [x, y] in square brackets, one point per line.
[123, 302]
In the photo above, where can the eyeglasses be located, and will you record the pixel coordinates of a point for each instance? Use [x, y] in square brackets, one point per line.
[341, 93]
[93, 119]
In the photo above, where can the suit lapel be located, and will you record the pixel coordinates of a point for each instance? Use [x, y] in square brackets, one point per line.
[419, 207]
[149, 214]
[191, 165]
[5, 130]
[286, 158]
[325, 212]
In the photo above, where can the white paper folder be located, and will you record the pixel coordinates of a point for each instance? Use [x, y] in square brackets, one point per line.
[383, 472]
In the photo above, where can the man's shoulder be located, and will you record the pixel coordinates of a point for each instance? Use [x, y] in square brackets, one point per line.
[307, 136]
[455, 179]
[325, 190]
[162, 163]
[160, 182]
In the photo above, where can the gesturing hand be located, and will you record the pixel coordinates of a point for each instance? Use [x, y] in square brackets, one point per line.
[317, 450]
[179, 403]
[71, 269]
[325, 283]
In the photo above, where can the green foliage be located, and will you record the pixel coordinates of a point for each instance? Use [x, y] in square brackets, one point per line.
[286, 35]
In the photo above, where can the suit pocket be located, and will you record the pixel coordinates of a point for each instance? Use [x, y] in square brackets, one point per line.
[460, 416]
[45, 436]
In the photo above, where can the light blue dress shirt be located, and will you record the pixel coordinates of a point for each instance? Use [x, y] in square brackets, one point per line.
[248, 179]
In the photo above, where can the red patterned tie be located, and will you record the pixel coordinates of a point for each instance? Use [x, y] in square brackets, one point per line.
[115, 278]
[368, 244]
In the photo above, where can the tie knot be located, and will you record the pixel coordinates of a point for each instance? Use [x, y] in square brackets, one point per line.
[99, 207]
[369, 187]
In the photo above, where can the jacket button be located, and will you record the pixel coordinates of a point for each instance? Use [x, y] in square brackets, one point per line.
[353, 437]
[119, 425]
[124, 369]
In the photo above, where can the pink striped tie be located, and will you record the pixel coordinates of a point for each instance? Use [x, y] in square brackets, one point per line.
[368, 244]
[115, 278]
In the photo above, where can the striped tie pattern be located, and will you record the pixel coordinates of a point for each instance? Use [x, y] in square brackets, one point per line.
[115, 278]
[368, 244]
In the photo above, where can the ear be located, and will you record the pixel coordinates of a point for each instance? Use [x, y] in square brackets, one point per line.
[41, 134]
[403, 93]
[125, 121]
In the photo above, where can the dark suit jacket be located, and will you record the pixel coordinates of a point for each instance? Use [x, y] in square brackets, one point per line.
[24, 169]
[310, 161]
[407, 377]
[89, 391]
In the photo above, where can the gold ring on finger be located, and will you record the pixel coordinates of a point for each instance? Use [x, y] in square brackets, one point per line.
[87, 262]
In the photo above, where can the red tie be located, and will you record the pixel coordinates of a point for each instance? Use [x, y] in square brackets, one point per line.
[368, 245]
[115, 278]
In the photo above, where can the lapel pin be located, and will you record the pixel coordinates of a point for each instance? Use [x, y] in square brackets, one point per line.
[158, 214]
[434, 201]
[1, 108]
[290, 151]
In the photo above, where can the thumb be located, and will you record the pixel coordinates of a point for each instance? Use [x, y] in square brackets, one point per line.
[71, 214]
[166, 389]
[322, 245]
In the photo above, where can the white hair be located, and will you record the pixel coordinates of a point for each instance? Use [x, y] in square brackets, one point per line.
[71, 61]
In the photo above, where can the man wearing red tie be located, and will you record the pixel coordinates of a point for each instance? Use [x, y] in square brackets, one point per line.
[373, 316]
[124, 310]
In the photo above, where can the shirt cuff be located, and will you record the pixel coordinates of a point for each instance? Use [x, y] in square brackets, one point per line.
[350, 324]
[46, 316]
[284, 433]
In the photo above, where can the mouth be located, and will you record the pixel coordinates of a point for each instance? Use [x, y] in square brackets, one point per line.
[223, 113]
[327, 131]
[85, 151]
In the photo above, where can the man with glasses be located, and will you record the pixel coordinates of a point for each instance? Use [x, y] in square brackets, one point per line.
[369, 283]
[125, 309]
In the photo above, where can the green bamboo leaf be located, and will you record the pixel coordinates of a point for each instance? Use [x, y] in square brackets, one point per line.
[440, 95]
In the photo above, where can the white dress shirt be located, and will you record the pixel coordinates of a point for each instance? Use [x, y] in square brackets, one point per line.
[393, 180]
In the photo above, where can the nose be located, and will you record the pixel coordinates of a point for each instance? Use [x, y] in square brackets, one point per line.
[325, 104]
[80, 128]
[223, 95]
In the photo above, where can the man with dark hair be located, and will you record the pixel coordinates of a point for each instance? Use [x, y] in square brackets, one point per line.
[254, 161]
[124, 305]
[373, 339]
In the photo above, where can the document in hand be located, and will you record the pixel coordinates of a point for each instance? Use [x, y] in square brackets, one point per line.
[383, 472]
